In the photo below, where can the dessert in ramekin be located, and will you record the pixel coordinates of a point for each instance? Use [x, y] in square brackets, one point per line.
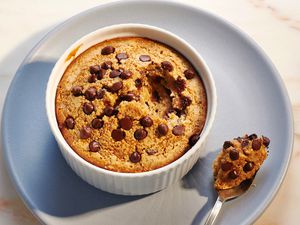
[131, 106]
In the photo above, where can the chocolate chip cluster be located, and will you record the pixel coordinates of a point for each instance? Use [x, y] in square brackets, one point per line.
[239, 160]
[106, 69]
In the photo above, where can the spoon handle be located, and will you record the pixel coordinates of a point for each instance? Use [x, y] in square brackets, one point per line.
[214, 212]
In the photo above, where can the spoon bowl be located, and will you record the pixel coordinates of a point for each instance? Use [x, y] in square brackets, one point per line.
[232, 193]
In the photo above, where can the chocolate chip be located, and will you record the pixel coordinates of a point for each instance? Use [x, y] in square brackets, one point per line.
[77, 90]
[138, 83]
[90, 93]
[266, 141]
[140, 134]
[94, 69]
[166, 65]
[107, 50]
[248, 167]
[244, 143]
[94, 146]
[114, 73]
[115, 87]
[135, 157]
[101, 74]
[70, 122]
[227, 144]
[178, 130]
[118, 134]
[225, 166]
[185, 102]
[85, 132]
[189, 74]
[180, 84]
[156, 79]
[239, 139]
[109, 111]
[126, 123]
[155, 96]
[256, 144]
[145, 58]
[127, 97]
[162, 129]
[193, 139]
[97, 123]
[234, 154]
[88, 108]
[170, 110]
[178, 112]
[92, 78]
[106, 65]
[116, 111]
[233, 174]
[146, 121]
[126, 74]
[121, 56]
[151, 151]
[252, 136]
[168, 91]
[100, 93]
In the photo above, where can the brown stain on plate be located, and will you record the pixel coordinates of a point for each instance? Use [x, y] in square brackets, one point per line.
[72, 54]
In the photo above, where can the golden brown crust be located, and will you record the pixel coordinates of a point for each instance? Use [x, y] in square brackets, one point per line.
[155, 150]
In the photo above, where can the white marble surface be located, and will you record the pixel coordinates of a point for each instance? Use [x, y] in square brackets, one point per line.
[273, 24]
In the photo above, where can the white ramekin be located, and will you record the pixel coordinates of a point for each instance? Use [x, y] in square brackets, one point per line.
[131, 183]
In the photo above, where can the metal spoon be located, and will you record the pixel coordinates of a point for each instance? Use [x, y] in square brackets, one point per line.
[227, 195]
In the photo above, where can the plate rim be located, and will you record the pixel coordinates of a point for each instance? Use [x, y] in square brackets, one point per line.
[279, 80]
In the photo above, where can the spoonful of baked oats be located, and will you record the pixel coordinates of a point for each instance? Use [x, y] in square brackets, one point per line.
[235, 168]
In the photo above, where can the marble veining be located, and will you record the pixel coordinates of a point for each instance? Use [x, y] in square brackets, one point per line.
[15, 210]
[276, 13]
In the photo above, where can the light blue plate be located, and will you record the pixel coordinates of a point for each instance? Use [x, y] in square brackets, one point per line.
[251, 98]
